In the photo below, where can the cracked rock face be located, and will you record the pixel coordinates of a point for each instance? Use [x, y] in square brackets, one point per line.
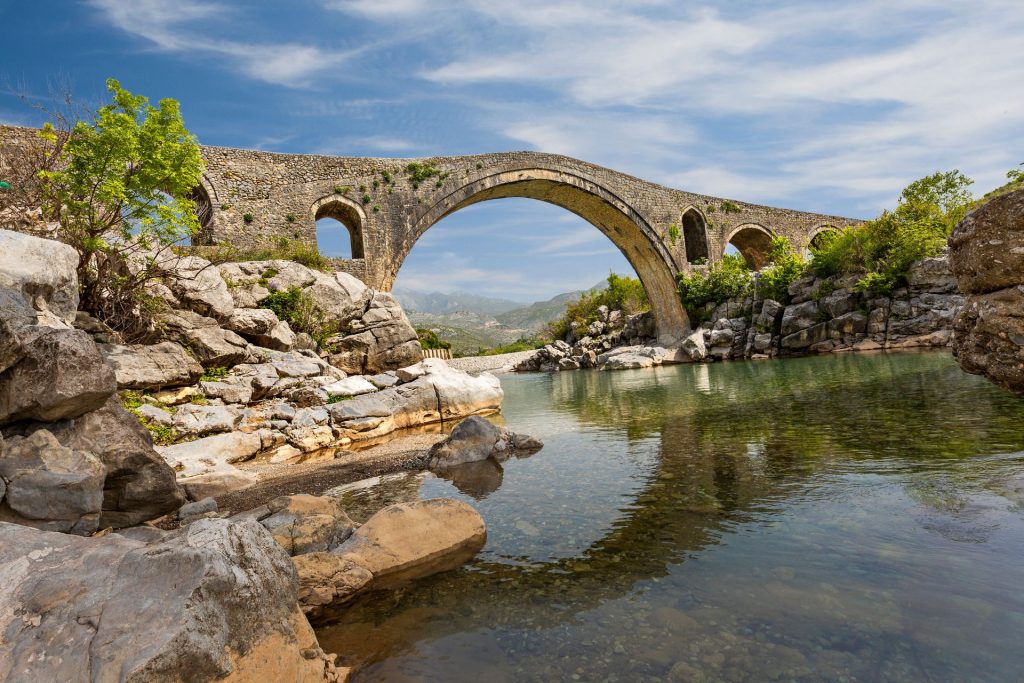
[216, 600]
[986, 252]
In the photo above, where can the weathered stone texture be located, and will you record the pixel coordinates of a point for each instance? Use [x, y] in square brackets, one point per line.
[987, 255]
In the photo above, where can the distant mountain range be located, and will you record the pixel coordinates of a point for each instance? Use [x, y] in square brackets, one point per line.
[471, 322]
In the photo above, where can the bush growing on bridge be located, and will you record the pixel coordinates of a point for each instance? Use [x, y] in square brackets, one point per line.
[626, 294]
[281, 248]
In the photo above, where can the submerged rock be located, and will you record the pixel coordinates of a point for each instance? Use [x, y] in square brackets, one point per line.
[412, 540]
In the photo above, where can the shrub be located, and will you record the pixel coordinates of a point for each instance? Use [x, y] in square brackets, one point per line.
[724, 280]
[367, 199]
[282, 248]
[290, 218]
[784, 266]
[386, 176]
[521, 344]
[730, 207]
[430, 340]
[248, 218]
[214, 374]
[673, 233]
[120, 187]
[419, 173]
[301, 312]
[884, 249]
[624, 294]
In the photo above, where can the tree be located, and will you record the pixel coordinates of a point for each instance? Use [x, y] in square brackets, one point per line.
[121, 192]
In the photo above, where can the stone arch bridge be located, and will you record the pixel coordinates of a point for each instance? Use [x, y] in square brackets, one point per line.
[250, 197]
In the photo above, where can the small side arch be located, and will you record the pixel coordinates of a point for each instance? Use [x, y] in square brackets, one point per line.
[695, 235]
[346, 212]
[814, 239]
[754, 242]
[203, 195]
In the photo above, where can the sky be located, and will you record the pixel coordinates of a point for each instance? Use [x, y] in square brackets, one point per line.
[824, 106]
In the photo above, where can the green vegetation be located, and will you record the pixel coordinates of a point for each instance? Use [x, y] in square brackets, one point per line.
[338, 398]
[1016, 182]
[883, 249]
[626, 294]
[386, 176]
[784, 266]
[283, 249]
[419, 173]
[673, 233]
[729, 207]
[248, 218]
[162, 435]
[342, 189]
[214, 374]
[522, 344]
[117, 184]
[290, 218]
[723, 280]
[731, 278]
[367, 199]
[430, 340]
[301, 312]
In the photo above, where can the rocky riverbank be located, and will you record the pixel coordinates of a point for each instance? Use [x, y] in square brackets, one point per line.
[93, 589]
[823, 316]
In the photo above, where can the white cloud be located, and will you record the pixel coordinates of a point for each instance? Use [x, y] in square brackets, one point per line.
[189, 26]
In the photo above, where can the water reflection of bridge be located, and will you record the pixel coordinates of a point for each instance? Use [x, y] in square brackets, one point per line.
[733, 441]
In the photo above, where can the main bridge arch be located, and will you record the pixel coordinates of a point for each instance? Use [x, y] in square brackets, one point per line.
[615, 218]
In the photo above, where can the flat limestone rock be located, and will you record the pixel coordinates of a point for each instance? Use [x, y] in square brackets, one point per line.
[412, 540]
[151, 367]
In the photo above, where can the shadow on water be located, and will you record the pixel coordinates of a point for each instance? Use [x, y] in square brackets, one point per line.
[831, 518]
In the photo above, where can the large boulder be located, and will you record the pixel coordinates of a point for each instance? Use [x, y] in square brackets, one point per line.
[138, 484]
[327, 581]
[476, 439]
[49, 486]
[210, 454]
[151, 367]
[43, 272]
[986, 253]
[215, 602]
[986, 249]
[61, 375]
[216, 347]
[380, 339]
[989, 337]
[262, 327]
[197, 283]
[412, 540]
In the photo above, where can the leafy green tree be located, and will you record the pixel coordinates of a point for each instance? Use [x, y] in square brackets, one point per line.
[626, 294]
[122, 186]
[882, 250]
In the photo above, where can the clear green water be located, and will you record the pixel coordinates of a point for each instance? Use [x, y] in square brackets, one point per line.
[839, 518]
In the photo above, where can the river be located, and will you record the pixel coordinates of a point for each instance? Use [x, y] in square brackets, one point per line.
[833, 518]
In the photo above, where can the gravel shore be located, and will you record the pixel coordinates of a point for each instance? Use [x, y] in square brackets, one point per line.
[504, 362]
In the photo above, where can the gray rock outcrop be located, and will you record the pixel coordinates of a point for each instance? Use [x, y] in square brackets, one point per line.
[61, 375]
[43, 272]
[217, 601]
[986, 251]
[49, 486]
[476, 439]
[154, 366]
